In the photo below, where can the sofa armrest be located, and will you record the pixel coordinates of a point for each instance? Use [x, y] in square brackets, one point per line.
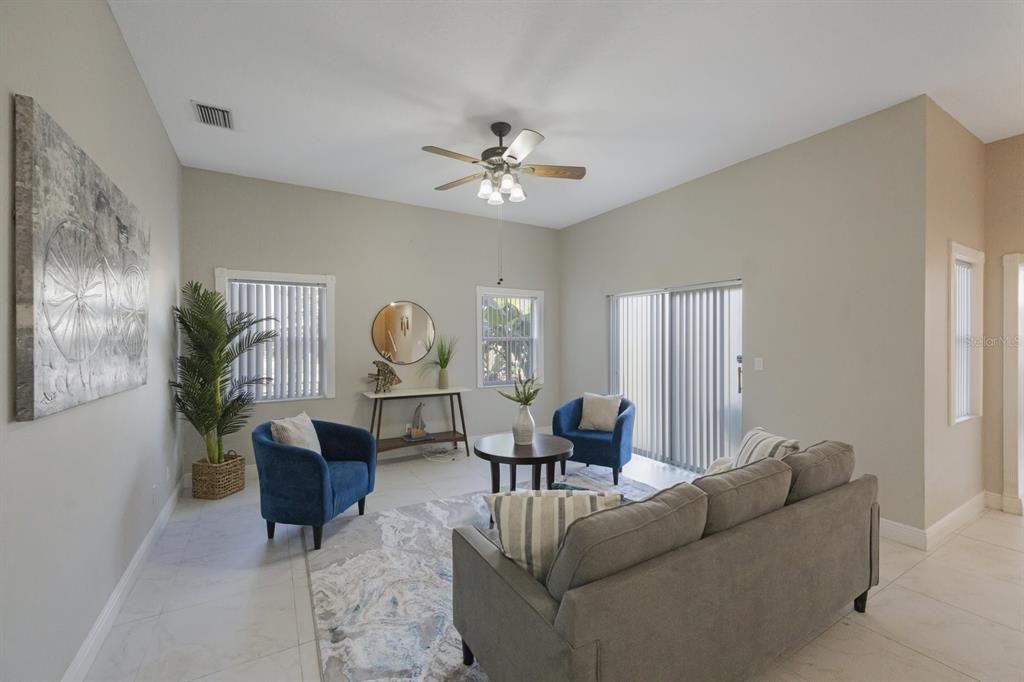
[623, 433]
[295, 486]
[341, 442]
[504, 614]
[562, 421]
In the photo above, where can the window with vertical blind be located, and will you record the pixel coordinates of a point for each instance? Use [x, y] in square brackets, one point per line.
[965, 328]
[676, 355]
[300, 360]
[509, 335]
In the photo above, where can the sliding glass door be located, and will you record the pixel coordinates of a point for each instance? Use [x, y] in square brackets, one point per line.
[676, 354]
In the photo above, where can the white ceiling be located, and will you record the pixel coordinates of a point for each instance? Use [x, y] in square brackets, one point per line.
[646, 95]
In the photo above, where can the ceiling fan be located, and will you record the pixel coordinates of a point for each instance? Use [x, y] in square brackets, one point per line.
[502, 166]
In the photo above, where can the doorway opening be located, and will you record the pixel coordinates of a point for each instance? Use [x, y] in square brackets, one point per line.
[1013, 383]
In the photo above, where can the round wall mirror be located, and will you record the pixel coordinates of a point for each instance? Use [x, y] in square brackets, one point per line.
[402, 332]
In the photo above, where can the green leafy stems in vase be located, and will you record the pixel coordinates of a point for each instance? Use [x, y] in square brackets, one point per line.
[524, 392]
[444, 351]
[204, 391]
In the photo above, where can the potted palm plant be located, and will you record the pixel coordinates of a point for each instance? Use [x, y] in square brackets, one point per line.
[525, 391]
[204, 392]
[444, 350]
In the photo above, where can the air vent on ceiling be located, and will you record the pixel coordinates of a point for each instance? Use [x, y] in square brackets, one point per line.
[213, 116]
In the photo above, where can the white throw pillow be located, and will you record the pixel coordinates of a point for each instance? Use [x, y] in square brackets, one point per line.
[719, 465]
[760, 444]
[600, 412]
[531, 525]
[297, 431]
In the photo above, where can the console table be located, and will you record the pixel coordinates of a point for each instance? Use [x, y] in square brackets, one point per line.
[454, 394]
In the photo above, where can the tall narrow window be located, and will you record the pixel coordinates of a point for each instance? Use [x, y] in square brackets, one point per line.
[965, 348]
[509, 335]
[300, 361]
[675, 354]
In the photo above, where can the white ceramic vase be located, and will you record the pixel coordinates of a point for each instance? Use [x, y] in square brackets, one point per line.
[522, 431]
[442, 379]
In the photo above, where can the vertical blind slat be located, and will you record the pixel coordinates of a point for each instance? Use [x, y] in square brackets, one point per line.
[293, 361]
[674, 355]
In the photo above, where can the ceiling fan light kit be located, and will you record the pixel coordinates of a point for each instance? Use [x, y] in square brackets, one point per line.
[502, 166]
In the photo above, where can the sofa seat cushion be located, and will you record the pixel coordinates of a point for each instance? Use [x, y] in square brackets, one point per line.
[823, 466]
[531, 525]
[612, 540]
[602, 438]
[744, 493]
[350, 482]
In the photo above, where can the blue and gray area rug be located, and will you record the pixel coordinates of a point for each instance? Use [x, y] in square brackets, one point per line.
[382, 588]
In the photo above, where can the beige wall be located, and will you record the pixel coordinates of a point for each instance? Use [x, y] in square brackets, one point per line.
[828, 237]
[79, 490]
[1004, 234]
[380, 251]
[955, 211]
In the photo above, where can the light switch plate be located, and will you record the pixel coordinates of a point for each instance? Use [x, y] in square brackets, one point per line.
[758, 364]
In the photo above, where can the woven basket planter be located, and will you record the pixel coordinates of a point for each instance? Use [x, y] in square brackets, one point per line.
[214, 481]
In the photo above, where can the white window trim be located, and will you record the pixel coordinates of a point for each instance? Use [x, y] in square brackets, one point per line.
[221, 277]
[959, 252]
[538, 321]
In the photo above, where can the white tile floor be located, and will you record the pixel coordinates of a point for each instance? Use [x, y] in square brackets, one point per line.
[217, 601]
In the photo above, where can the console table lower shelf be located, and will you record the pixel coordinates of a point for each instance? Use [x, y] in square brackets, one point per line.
[454, 435]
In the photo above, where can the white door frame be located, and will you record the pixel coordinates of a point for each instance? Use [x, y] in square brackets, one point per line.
[1013, 382]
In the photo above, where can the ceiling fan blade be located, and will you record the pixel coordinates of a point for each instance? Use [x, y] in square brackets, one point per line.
[450, 154]
[521, 147]
[460, 181]
[566, 172]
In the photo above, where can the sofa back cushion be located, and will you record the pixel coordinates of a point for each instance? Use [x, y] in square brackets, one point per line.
[531, 525]
[612, 540]
[759, 444]
[821, 467]
[744, 493]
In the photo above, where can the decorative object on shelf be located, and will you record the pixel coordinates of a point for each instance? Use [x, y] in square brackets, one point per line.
[204, 392]
[502, 166]
[525, 391]
[81, 269]
[444, 351]
[385, 377]
[417, 431]
[402, 332]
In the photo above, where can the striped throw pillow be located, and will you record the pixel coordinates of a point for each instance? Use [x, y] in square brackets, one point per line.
[759, 444]
[531, 525]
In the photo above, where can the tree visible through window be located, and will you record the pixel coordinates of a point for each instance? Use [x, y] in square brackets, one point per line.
[509, 335]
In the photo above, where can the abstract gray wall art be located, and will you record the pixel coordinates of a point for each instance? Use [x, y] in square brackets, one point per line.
[81, 274]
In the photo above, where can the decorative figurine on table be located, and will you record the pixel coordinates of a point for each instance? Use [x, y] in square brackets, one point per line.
[385, 377]
[417, 431]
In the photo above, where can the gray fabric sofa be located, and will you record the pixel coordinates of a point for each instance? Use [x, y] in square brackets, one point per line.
[781, 549]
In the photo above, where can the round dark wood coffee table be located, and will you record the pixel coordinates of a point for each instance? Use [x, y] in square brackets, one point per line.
[502, 449]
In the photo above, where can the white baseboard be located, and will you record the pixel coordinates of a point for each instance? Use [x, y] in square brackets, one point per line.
[931, 537]
[86, 655]
[1007, 503]
[903, 534]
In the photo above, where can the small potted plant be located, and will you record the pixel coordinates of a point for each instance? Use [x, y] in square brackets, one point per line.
[525, 391]
[204, 392]
[444, 350]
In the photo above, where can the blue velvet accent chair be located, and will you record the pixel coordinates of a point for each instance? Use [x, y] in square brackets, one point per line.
[300, 487]
[603, 448]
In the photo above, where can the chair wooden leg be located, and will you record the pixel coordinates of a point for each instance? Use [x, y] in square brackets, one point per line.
[615, 475]
[270, 530]
[860, 604]
[362, 506]
[467, 655]
[318, 536]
